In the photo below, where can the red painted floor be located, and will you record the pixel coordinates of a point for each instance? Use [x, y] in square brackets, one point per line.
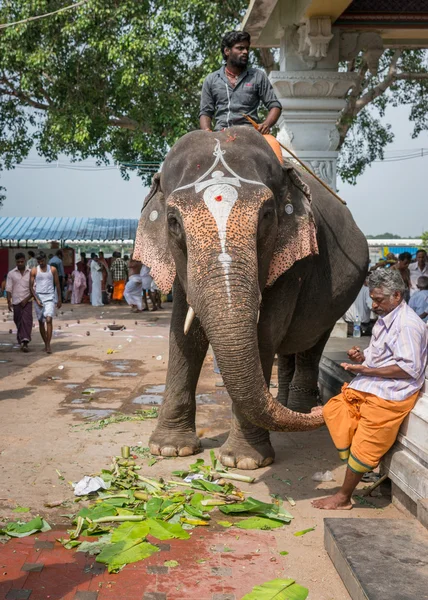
[39, 568]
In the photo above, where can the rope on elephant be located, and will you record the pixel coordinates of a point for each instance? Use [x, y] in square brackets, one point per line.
[328, 188]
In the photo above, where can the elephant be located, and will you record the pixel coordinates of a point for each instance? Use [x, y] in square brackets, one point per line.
[262, 261]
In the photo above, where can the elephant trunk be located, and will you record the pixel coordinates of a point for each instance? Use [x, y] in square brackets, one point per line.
[231, 327]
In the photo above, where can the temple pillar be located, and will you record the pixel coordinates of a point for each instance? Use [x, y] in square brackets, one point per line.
[312, 90]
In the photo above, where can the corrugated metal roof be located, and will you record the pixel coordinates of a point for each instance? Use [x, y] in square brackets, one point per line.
[76, 229]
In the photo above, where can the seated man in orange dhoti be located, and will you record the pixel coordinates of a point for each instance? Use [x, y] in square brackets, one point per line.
[236, 90]
[365, 417]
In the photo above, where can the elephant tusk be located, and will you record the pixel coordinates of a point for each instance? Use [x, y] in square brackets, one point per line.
[189, 318]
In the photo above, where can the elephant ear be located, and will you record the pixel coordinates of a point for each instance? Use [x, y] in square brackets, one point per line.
[296, 237]
[151, 242]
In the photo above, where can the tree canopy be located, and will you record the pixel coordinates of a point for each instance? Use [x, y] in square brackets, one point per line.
[120, 80]
[111, 79]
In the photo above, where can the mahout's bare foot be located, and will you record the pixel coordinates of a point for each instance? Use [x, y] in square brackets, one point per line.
[242, 455]
[336, 502]
[164, 442]
[48, 350]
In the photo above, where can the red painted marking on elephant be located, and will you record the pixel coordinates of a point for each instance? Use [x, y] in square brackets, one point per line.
[218, 198]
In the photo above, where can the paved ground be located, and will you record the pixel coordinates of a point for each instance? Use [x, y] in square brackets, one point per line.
[46, 426]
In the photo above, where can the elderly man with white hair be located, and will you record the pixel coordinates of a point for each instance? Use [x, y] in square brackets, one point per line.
[365, 417]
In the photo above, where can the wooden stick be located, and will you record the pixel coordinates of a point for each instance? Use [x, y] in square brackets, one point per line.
[328, 188]
[374, 485]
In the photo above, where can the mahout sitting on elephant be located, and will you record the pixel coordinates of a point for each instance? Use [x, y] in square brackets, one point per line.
[263, 261]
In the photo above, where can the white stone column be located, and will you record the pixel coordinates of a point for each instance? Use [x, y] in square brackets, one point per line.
[312, 93]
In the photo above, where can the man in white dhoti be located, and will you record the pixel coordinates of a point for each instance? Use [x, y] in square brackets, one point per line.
[97, 278]
[147, 280]
[134, 286]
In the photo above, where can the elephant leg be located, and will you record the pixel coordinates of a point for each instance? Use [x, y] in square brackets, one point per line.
[303, 390]
[248, 446]
[175, 433]
[286, 368]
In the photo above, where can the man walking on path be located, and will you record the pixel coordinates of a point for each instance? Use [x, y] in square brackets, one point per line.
[365, 417]
[44, 281]
[56, 261]
[119, 273]
[19, 300]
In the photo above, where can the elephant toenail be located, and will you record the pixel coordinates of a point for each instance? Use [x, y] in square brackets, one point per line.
[169, 451]
[186, 451]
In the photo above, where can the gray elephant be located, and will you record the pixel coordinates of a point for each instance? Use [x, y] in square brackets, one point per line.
[263, 261]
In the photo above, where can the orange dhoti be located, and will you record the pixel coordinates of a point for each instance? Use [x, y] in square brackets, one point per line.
[118, 289]
[363, 427]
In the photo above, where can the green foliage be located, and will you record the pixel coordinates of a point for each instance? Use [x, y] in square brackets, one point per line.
[278, 589]
[19, 529]
[402, 79]
[251, 505]
[424, 237]
[258, 523]
[117, 555]
[384, 236]
[112, 80]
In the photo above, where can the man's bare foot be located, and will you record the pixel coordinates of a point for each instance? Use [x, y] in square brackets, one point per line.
[335, 502]
[48, 350]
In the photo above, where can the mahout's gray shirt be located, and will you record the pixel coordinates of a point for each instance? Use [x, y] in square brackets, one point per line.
[227, 104]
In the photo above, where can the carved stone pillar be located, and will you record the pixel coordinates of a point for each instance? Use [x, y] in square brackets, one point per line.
[312, 92]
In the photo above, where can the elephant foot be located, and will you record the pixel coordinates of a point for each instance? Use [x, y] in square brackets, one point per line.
[302, 399]
[164, 442]
[243, 455]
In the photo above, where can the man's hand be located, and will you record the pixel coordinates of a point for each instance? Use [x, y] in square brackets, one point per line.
[356, 355]
[24, 303]
[39, 303]
[10, 307]
[59, 304]
[359, 369]
[264, 128]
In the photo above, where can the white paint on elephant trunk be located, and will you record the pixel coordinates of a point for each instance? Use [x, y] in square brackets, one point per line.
[220, 196]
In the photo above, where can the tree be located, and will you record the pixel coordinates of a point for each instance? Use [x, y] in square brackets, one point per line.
[111, 79]
[424, 237]
[120, 80]
[401, 79]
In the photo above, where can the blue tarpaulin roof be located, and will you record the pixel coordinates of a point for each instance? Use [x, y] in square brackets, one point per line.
[76, 229]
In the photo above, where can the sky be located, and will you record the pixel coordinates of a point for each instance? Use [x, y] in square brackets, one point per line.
[389, 196]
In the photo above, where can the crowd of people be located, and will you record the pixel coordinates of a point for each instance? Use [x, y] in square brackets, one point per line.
[41, 280]
[415, 278]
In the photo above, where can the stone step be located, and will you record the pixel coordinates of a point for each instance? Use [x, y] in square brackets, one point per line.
[381, 559]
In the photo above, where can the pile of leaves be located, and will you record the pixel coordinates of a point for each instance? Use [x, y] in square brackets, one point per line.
[136, 509]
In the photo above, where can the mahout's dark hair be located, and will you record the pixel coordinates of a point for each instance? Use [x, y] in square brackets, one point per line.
[233, 37]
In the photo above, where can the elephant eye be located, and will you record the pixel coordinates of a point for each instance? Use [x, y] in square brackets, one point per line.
[268, 213]
[174, 224]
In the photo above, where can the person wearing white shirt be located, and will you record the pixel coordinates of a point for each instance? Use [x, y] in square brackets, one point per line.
[361, 308]
[420, 267]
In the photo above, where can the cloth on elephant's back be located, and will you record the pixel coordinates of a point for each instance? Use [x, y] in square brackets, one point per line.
[296, 237]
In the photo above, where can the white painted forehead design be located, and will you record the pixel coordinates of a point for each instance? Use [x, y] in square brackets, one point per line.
[220, 195]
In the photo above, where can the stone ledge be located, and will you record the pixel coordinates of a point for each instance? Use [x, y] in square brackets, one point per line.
[379, 559]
